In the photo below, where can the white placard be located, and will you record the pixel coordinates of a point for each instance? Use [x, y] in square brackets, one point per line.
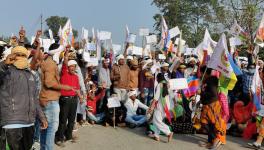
[86, 56]
[190, 51]
[93, 61]
[113, 102]
[178, 84]
[137, 51]
[91, 46]
[174, 32]
[234, 41]
[131, 38]
[116, 48]
[151, 39]
[45, 43]
[183, 42]
[161, 57]
[143, 32]
[104, 35]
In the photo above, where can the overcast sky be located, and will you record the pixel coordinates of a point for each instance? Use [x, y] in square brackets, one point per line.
[108, 15]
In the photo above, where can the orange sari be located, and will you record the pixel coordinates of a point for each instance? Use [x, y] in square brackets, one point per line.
[211, 113]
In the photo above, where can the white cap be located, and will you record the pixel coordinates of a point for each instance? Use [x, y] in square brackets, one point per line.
[131, 93]
[120, 57]
[148, 61]
[72, 62]
[130, 57]
[164, 64]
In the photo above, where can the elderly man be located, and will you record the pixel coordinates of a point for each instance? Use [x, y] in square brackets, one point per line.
[120, 77]
[104, 78]
[19, 103]
[68, 100]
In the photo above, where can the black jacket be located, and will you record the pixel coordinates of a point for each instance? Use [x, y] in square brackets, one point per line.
[19, 102]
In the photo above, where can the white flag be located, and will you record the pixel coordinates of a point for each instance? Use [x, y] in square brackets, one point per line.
[208, 41]
[50, 34]
[60, 32]
[219, 59]
[143, 32]
[174, 32]
[67, 32]
[85, 34]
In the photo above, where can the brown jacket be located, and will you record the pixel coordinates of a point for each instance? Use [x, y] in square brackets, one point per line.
[50, 81]
[120, 76]
[133, 82]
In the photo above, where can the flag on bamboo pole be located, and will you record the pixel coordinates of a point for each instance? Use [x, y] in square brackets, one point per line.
[260, 32]
[238, 31]
[67, 34]
[220, 62]
[256, 89]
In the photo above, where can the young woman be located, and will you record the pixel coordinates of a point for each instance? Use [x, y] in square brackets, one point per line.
[161, 105]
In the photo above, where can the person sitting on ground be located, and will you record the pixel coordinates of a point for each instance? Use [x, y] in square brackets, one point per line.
[92, 99]
[132, 104]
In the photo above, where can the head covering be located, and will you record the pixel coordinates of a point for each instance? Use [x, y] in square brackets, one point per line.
[120, 57]
[182, 66]
[192, 59]
[106, 60]
[20, 49]
[164, 64]
[134, 62]
[130, 57]
[72, 62]
[147, 62]
[131, 93]
[72, 55]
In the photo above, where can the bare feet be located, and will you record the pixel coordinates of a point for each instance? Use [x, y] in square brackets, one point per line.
[170, 137]
[156, 138]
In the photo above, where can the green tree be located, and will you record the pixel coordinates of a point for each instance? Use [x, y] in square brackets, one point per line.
[191, 16]
[54, 23]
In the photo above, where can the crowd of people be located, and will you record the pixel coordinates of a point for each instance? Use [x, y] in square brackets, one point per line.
[44, 101]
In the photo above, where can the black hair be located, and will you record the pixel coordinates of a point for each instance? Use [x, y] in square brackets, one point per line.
[208, 70]
[1, 51]
[161, 79]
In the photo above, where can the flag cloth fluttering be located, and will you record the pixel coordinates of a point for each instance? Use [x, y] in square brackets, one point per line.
[256, 89]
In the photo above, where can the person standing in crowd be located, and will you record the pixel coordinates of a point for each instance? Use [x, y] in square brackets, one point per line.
[18, 89]
[104, 77]
[132, 104]
[247, 79]
[120, 77]
[49, 97]
[192, 68]
[133, 73]
[161, 106]
[68, 100]
[211, 112]
[146, 82]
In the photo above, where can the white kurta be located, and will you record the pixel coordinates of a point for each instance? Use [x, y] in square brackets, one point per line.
[159, 114]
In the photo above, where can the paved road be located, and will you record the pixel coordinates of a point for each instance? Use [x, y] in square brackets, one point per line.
[107, 138]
